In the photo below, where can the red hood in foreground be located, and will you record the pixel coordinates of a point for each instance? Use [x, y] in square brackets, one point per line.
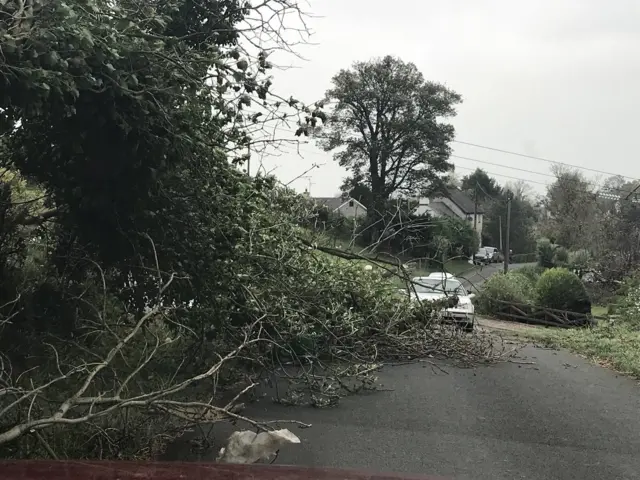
[79, 470]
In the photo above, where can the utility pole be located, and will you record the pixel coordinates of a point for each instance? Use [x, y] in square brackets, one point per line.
[506, 240]
[309, 183]
[475, 212]
[500, 224]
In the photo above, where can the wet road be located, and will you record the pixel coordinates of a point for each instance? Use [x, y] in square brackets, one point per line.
[544, 415]
[549, 416]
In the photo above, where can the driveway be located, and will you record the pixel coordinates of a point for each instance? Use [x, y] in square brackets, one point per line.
[476, 278]
[545, 415]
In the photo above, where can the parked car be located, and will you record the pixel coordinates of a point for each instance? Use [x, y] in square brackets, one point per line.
[482, 257]
[439, 275]
[462, 313]
[494, 253]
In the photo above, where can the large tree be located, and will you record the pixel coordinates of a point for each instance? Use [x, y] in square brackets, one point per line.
[493, 200]
[388, 124]
[481, 184]
[571, 206]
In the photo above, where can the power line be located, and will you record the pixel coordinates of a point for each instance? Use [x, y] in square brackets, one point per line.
[588, 182]
[532, 157]
[606, 195]
[506, 176]
[542, 159]
[501, 165]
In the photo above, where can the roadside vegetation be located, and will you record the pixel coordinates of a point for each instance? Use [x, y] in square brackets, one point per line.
[144, 275]
[613, 343]
[587, 256]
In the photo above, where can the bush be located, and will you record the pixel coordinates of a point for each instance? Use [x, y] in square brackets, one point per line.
[532, 272]
[629, 307]
[560, 256]
[511, 287]
[545, 251]
[579, 261]
[561, 289]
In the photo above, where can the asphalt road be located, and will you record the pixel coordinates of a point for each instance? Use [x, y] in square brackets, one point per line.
[544, 415]
[474, 280]
[559, 417]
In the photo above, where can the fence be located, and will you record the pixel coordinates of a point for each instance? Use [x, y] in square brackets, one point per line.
[537, 315]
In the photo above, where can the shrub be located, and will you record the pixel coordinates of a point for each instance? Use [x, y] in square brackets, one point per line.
[532, 272]
[544, 251]
[579, 260]
[561, 289]
[560, 256]
[629, 307]
[511, 287]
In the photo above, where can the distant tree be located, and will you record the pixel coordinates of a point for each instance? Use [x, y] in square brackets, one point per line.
[452, 180]
[358, 190]
[614, 184]
[487, 187]
[493, 200]
[572, 207]
[388, 123]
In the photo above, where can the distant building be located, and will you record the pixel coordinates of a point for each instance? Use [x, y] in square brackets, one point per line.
[344, 205]
[452, 203]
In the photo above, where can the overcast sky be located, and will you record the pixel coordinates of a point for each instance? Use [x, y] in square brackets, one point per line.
[557, 79]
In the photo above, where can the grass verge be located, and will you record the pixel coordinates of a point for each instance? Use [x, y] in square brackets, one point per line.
[615, 346]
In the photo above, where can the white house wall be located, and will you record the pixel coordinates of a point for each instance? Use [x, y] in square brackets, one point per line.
[459, 213]
[354, 211]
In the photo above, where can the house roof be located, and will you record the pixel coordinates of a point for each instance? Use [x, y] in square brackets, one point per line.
[462, 200]
[333, 203]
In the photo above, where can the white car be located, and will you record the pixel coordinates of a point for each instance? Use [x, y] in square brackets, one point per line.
[439, 275]
[482, 257]
[439, 286]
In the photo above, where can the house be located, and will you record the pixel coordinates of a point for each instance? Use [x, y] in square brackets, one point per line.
[344, 205]
[452, 203]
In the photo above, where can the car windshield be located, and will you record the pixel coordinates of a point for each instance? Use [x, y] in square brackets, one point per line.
[436, 285]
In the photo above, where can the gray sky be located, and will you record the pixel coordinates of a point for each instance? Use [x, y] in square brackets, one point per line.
[551, 78]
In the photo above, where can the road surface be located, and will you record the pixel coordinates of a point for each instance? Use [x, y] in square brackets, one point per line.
[474, 280]
[551, 416]
[544, 415]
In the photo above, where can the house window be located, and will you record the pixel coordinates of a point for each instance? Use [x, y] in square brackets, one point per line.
[351, 203]
[469, 217]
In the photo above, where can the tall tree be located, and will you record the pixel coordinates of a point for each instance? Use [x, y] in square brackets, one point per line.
[388, 124]
[572, 207]
[480, 183]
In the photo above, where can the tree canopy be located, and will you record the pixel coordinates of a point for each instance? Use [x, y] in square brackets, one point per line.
[571, 206]
[480, 183]
[388, 123]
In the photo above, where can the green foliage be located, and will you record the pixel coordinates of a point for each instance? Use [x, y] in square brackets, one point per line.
[579, 260]
[480, 183]
[572, 210]
[629, 308]
[512, 287]
[427, 237]
[453, 237]
[560, 256]
[122, 128]
[532, 272]
[616, 346]
[561, 289]
[545, 251]
[407, 149]
[493, 201]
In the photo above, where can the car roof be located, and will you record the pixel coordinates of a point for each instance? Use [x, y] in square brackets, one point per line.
[440, 275]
